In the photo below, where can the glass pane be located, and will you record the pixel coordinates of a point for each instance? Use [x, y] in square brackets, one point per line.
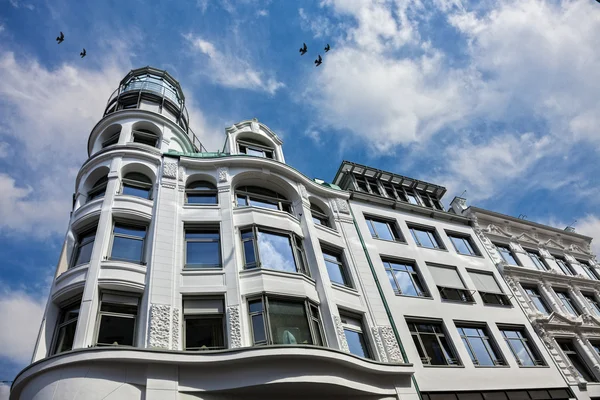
[249, 255]
[203, 333]
[136, 191]
[241, 201]
[264, 203]
[69, 314]
[433, 350]
[521, 352]
[84, 254]
[66, 336]
[480, 351]
[289, 323]
[203, 254]
[335, 272]
[197, 198]
[539, 305]
[258, 328]
[370, 225]
[276, 252]
[461, 245]
[116, 330]
[207, 234]
[424, 238]
[390, 276]
[252, 152]
[127, 249]
[507, 255]
[581, 368]
[406, 284]
[200, 185]
[356, 343]
[119, 308]
[255, 306]
[136, 231]
[412, 198]
[317, 221]
[383, 230]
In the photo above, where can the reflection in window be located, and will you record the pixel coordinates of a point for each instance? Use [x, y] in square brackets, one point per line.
[567, 302]
[201, 192]
[537, 260]
[564, 266]
[481, 348]
[202, 248]
[353, 330]
[203, 323]
[67, 324]
[568, 348]
[83, 249]
[463, 244]
[426, 237]
[537, 299]
[590, 272]
[404, 278]
[144, 136]
[255, 148]
[506, 254]
[128, 242]
[117, 320]
[319, 216]
[260, 197]
[385, 230]
[594, 305]
[431, 343]
[136, 184]
[336, 269]
[99, 189]
[521, 346]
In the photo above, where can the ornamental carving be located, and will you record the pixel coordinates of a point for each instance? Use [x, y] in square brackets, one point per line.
[339, 328]
[379, 344]
[170, 170]
[175, 333]
[160, 326]
[254, 126]
[223, 173]
[235, 328]
[181, 174]
[391, 344]
[303, 191]
[342, 206]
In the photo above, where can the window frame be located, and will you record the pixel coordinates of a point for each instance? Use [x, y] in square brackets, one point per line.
[203, 228]
[211, 316]
[564, 296]
[468, 240]
[490, 344]
[509, 250]
[368, 182]
[574, 351]
[145, 135]
[319, 215]
[98, 191]
[364, 337]
[119, 315]
[526, 341]
[431, 233]
[392, 225]
[502, 299]
[129, 223]
[464, 294]
[65, 307]
[538, 295]
[592, 301]
[210, 190]
[589, 270]
[339, 259]
[283, 204]
[564, 265]
[256, 147]
[128, 182]
[452, 359]
[110, 141]
[415, 275]
[535, 255]
[78, 244]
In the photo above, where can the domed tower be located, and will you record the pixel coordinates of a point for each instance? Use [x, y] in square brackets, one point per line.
[193, 275]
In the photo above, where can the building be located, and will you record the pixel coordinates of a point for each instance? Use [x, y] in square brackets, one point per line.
[193, 275]
[460, 325]
[555, 279]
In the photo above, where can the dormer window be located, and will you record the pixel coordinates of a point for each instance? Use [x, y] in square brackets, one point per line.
[255, 148]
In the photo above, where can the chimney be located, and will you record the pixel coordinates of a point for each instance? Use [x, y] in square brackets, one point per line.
[458, 205]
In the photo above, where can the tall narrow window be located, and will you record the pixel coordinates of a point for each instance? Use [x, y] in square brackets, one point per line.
[507, 254]
[481, 348]
[382, 229]
[450, 284]
[82, 252]
[431, 343]
[537, 260]
[405, 278]
[589, 271]
[353, 330]
[567, 302]
[260, 197]
[319, 216]
[426, 237]
[201, 192]
[128, 242]
[98, 190]
[593, 302]
[202, 247]
[389, 190]
[203, 323]
[65, 332]
[112, 139]
[537, 299]
[336, 269]
[521, 346]
[488, 288]
[464, 244]
[255, 148]
[117, 319]
[144, 136]
[412, 197]
[568, 348]
[136, 184]
[564, 266]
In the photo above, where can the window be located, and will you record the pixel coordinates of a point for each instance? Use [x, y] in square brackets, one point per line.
[564, 266]
[136, 184]
[481, 348]
[507, 254]
[537, 260]
[567, 302]
[319, 216]
[426, 237]
[273, 250]
[202, 248]
[464, 244]
[404, 278]
[97, 191]
[117, 319]
[596, 346]
[412, 197]
[488, 288]
[594, 305]
[203, 324]
[367, 184]
[254, 148]
[146, 137]
[335, 267]
[431, 343]
[113, 139]
[537, 299]
[389, 190]
[65, 331]
[521, 346]
[128, 242]
[82, 253]
[385, 230]
[201, 192]
[590, 272]
[283, 321]
[353, 330]
[568, 348]
[261, 197]
[450, 284]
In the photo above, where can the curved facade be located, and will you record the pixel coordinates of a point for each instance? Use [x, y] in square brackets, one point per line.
[188, 275]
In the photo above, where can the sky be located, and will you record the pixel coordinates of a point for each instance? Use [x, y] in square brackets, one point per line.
[501, 99]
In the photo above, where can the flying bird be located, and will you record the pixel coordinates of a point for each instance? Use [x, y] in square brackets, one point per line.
[318, 61]
[83, 53]
[327, 48]
[303, 49]
[60, 38]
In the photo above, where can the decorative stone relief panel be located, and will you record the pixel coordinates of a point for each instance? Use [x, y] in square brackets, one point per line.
[235, 328]
[254, 126]
[394, 354]
[496, 258]
[160, 326]
[170, 170]
[339, 328]
[223, 173]
[181, 174]
[545, 253]
[342, 206]
[379, 344]
[516, 247]
[303, 191]
[176, 329]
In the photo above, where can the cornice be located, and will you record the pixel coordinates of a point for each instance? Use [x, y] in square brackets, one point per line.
[551, 277]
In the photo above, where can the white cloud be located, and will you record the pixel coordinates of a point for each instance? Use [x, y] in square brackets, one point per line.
[4, 391]
[318, 25]
[262, 13]
[3, 150]
[228, 69]
[19, 4]
[590, 226]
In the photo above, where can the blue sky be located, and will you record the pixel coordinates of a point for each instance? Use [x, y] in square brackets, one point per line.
[496, 98]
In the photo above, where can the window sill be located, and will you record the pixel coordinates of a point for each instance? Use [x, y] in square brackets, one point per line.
[275, 272]
[192, 205]
[265, 210]
[392, 241]
[140, 263]
[470, 255]
[443, 366]
[498, 305]
[413, 297]
[343, 288]
[491, 366]
[72, 270]
[134, 199]
[327, 229]
[433, 248]
[202, 271]
[468, 303]
[534, 366]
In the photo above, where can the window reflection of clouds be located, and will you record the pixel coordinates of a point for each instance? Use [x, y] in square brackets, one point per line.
[276, 252]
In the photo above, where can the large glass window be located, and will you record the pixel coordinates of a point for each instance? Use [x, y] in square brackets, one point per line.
[255, 148]
[273, 250]
[507, 254]
[136, 184]
[260, 197]
[201, 192]
[202, 247]
[98, 190]
[464, 244]
[593, 302]
[82, 252]
[537, 299]
[589, 271]
[568, 348]
[521, 346]
[353, 330]
[117, 320]
[450, 284]
[336, 269]
[481, 348]
[65, 332]
[319, 216]
[431, 343]
[128, 242]
[144, 136]
[203, 323]
[488, 288]
[564, 266]
[426, 237]
[537, 260]
[385, 230]
[404, 278]
[567, 302]
[283, 321]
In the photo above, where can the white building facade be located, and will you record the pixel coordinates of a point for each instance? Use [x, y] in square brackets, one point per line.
[194, 275]
[457, 319]
[556, 281]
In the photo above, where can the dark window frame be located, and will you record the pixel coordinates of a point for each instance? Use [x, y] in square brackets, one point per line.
[112, 140]
[363, 337]
[509, 251]
[526, 341]
[538, 295]
[244, 145]
[205, 316]
[201, 188]
[145, 137]
[65, 308]
[451, 293]
[336, 255]
[202, 228]
[537, 260]
[132, 224]
[98, 191]
[431, 233]
[83, 238]
[468, 240]
[486, 337]
[564, 266]
[589, 270]
[565, 298]
[242, 193]
[591, 299]
[127, 181]
[393, 227]
[319, 216]
[451, 357]
[498, 298]
[574, 355]
[117, 315]
[415, 276]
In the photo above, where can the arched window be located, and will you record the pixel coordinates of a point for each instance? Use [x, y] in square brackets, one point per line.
[201, 192]
[112, 137]
[260, 197]
[144, 136]
[97, 191]
[319, 216]
[136, 184]
[255, 148]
